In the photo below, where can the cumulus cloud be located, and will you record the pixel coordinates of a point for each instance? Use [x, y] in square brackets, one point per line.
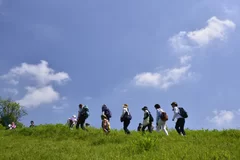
[42, 91]
[162, 80]
[185, 42]
[11, 91]
[38, 96]
[40, 73]
[215, 29]
[222, 117]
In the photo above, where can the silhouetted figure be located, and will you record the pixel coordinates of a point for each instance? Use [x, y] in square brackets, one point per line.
[139, 127]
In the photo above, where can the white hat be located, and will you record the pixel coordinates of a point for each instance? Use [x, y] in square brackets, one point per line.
[74, 116]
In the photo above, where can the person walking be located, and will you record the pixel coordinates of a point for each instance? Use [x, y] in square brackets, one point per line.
[83, 114]
[147, 119]
[105, 124]
[126, 118]
[139, 128]
[161, 119]
[179, 126]
[106, 111]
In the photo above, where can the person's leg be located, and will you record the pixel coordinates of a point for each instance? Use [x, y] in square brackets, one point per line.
[177, 126]
[127, 122]
[158, 127]
[182, 123]
[70, 123]
[78, 123]
[82, 122]
[143, 128]
[149, 127]
[125, 126]
[164, 128]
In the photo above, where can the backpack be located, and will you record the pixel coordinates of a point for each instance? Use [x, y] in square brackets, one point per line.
[151, 119]
[126, 116]
[108, 113]
[85, 112]
[183, 113]
[164, 116]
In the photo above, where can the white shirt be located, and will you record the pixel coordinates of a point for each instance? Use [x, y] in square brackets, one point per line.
[124, 111]
[176, 113]
[159, 112]
[146, 121]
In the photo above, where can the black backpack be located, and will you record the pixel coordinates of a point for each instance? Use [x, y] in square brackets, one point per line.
[183, 113]
[108, 113]
[126, 116]
[151, 119]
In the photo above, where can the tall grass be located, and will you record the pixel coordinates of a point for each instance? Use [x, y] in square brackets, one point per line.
[58, 142]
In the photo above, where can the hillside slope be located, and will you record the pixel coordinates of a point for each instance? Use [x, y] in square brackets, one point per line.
[58, 142]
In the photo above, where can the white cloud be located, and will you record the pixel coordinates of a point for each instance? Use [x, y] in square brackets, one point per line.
[12, 91]
[41, 92]
[162, 80]
[222, 117]
[185, 59]
[185, 42]
[41, 73]
[60, 108]
[38, 96]
[87, 98]
[215, 29]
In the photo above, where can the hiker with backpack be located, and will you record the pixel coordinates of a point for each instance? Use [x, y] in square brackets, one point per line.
[147, 119]
[83, 114]
[180, 114]
[106, 111]
[161, 119]
[126, 118]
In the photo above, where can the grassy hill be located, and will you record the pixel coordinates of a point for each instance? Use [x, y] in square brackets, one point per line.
[57, 142]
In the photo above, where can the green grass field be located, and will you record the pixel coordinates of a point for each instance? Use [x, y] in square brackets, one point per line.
[57, 142]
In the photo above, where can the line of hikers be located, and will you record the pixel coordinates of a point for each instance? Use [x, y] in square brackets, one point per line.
[161, 118]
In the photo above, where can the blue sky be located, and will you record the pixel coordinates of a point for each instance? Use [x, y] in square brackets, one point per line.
[56, 54]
